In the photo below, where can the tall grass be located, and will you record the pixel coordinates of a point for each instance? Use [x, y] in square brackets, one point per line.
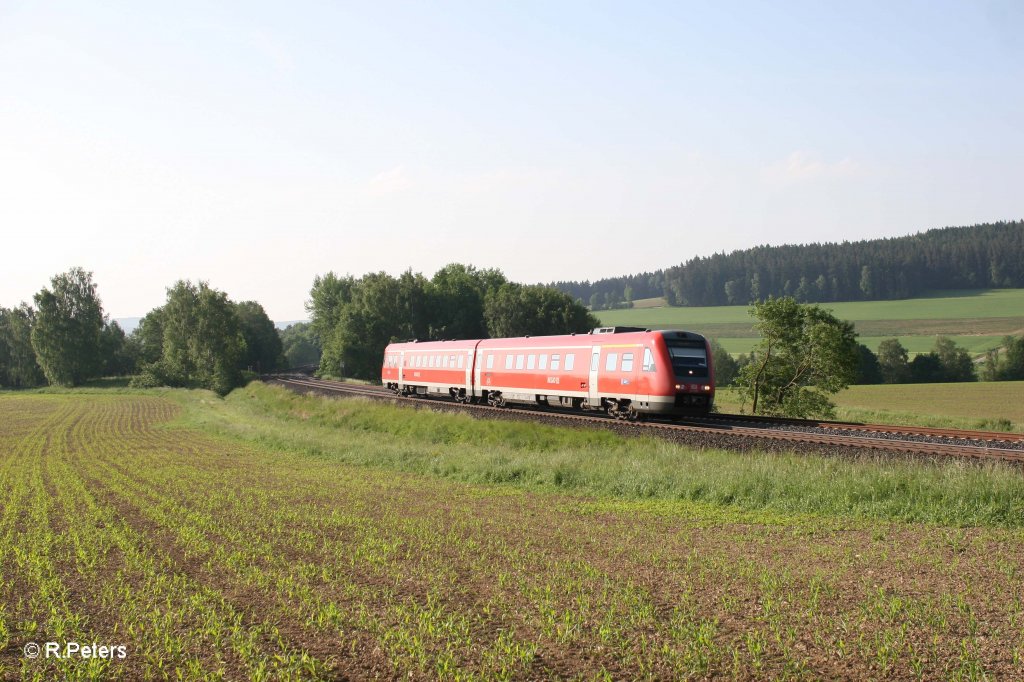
[598, 463]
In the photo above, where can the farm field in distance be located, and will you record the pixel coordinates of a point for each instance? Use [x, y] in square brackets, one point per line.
[995, 405]
[975, 319]
[273, 536]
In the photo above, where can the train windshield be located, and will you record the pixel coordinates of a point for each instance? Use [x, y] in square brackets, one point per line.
[689, 358]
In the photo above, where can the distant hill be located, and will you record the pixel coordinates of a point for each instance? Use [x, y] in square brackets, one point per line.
[981, 256]
[288, 323]
[128, 324]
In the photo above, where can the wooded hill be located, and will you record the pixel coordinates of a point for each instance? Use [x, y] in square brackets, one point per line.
[981, 256]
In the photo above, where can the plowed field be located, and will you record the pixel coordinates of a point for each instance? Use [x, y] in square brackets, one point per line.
[207, 558]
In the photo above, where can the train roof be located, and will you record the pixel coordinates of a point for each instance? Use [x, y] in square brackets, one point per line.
[600, 336]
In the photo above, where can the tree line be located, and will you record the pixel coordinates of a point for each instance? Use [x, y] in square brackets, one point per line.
[354, 319]
[198, 338]
[945, 363]
[988, 255]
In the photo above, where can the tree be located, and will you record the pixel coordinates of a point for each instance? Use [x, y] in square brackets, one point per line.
[925, 368]
[18, 366]
[263, 348]
[893, 361]
[329, 297]
[724, 366]
[202, 343]
[1007, 364]
[66, 333]
[148, 337]
[732, 291]
[869, 371]
[955, 361]
[456, 294]
[867, 285]
[517, 310]
[300, 345]
[805, 354]
[117, 355]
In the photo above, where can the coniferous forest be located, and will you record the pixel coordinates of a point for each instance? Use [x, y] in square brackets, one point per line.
[977, 257]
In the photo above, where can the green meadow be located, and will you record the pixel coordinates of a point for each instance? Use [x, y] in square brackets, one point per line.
[997, 405]
[975, 319]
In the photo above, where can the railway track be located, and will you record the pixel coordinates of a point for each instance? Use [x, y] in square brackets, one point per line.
[742, 432]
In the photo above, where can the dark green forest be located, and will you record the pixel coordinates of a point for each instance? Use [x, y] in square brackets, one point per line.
[977, 257]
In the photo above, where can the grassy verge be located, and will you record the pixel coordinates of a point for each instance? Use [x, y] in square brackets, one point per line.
[541, 458]
[994, 405]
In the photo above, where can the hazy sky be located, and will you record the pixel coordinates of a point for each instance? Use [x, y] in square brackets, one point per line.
[257, 144]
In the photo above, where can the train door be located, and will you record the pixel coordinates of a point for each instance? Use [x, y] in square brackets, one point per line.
[401, 368]
[469, 371]
[595, 362]
[478, 361]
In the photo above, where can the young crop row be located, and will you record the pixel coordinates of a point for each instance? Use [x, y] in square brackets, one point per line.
[209, 558]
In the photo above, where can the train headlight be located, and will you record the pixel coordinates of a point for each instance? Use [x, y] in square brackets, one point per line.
[679, 387]
[706, 387]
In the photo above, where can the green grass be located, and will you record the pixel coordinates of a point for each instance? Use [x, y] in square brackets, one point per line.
[981, 405]
[914, 344]
[943, 305]
[975, 319]
[541, 458]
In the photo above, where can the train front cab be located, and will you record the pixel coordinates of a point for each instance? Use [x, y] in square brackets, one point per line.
[689, 375]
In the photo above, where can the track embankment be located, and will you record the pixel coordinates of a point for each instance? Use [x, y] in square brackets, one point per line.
[732, 432]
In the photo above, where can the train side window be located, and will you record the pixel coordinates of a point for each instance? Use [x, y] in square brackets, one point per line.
[648, 360]
[444, 361]
[462, 361]
[611, 361]
[627, 362]
[490, 361]
[433, 359]
[531, 361]
[556, 360]
[542, 361]
[570, 361]
[440, 360]
[519, 360]
[451, 360]
[509, 359]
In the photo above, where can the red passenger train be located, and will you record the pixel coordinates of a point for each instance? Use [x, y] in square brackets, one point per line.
[625, 371]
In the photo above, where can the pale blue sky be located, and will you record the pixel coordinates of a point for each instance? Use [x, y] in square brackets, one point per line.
[258, 144]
